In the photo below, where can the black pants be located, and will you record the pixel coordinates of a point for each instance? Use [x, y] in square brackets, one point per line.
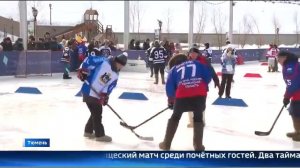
[226, 82]
[159, 68]
[94, 124]
[276, 65]
[195, 104]
[151, 67]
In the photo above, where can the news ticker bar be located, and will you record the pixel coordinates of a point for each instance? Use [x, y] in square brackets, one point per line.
[151, 158]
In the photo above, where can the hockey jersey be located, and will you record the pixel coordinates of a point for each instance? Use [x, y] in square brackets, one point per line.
[105, 51]
[188, 79]
[207, 53]
[66, 56]
[158, 55]
[82, 49]
[100, 76]
[291, 76]
[272, 52]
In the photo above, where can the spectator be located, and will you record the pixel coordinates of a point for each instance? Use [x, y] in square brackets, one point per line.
[31, 43]
[166, 45]
[131, 45]
[7, 44]
[172, 48]
[96, 44]
[178, 48]
[63, 43]
[146, 44]
[137, 45]
[40, 44]
[18, 46]
[47, 41]
[276, 61]
[112, 46]
[228, 59]
[1, 48]
[53, 45]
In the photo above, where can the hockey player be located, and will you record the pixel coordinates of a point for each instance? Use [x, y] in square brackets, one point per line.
[82, 51]
[207, 52]
[186, 89]
[66, 59]
[276, 61]
[272, 60]
[195, 54]
[159, 56]
[150, 60]
[102, 75]
[228, 60]
[105, 50]
[290, 72]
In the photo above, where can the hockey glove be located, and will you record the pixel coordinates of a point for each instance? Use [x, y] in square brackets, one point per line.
[171, 103]
[103, 99]
[286, 101]
[82, 74]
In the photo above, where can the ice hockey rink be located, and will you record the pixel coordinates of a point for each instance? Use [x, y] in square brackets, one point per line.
[61, 116]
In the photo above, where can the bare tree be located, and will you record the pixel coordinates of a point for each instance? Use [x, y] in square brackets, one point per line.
[138, 13]
[259, 36]
[277, 26]
[200, 23]
[246, 30]
[133, 12]
[135, 17]
[296, 27]
[218, 21]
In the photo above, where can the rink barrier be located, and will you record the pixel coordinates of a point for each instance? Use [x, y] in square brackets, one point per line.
[43, 62]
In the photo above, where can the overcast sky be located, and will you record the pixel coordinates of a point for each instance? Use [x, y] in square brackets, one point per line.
[112, 13]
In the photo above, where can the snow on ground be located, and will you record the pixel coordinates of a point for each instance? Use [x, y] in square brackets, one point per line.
[59, 115]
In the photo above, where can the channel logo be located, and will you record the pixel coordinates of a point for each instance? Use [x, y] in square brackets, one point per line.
[37, 142]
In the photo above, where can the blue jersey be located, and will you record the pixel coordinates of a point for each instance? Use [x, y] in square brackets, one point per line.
[188, 79]
[158, 55]
[291, 76]
[101, 76]
[82, 49]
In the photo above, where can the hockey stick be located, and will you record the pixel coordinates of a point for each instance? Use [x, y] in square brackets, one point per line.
[140, 137]
[137, 135]
[134, 127]
[260, 133]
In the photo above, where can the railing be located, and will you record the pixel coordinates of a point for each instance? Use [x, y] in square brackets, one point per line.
[37, 62]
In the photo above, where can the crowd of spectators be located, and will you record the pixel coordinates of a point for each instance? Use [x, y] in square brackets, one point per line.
[170, 47]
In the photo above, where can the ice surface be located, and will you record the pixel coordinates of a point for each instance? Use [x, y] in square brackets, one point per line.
[61, 116]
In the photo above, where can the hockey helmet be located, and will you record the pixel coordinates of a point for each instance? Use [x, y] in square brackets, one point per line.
[122, 58]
